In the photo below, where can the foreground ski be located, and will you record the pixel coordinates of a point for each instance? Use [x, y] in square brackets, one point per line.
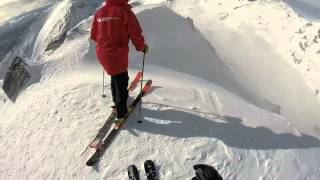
[204, 172]
[135, 81]
[103, 130]
[133, 173]
[101, 149]
[108, 123]
[150, 170]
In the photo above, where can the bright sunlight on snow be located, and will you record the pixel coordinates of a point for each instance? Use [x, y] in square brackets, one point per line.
[236, 85]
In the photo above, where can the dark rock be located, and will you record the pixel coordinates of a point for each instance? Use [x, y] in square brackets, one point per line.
[16, 77]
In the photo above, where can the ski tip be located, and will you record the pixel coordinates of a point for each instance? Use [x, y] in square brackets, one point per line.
[148, 162]
[147, 86]
[150, 170]
[149, 82]
[90, 163]
[133, 172]
[132, 167]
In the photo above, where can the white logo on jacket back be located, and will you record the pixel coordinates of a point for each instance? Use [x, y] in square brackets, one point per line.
[107, 19]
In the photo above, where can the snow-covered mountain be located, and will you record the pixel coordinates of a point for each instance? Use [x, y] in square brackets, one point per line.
[15, 8]
[236, 85]
[307, 8]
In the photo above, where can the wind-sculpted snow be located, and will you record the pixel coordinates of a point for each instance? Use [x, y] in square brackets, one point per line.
[18, 37]
[309, 9]
[11, 9]
[255, 49]
[177, 44]
[204, 60]
[12, 31]
[64, 17]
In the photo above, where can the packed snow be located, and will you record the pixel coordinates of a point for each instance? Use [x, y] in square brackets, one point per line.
[235, 85]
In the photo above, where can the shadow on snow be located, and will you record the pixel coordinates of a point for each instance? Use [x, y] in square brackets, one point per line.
[229, 130]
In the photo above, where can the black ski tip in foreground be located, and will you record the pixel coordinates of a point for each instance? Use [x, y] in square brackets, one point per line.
[93, 160]
[150, 170]
[109, 138]
[206, 172]
[133, 172]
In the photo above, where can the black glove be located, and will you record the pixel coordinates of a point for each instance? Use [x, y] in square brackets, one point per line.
[206, 172]
[146, 49]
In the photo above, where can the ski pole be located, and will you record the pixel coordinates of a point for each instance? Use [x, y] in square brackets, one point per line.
[103, 95]
[142, 70]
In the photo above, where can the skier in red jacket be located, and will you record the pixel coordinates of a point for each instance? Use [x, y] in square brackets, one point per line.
[112, 27]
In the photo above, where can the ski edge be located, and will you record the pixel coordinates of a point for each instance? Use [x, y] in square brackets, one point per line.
[103, 146]
[96, 142]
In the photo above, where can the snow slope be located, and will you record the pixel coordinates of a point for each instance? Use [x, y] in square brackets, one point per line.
[264, 38]
[14, 8]
[18, 37]
[206, 106]
[306, 8]
[35, 33]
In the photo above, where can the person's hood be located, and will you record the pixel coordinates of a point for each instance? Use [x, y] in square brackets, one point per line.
[123, 3]
[117, 2]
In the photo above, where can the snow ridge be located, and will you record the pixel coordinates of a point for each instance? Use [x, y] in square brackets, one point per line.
[64, 17]
[203, 56]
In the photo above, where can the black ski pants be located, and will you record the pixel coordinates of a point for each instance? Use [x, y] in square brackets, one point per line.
[119, 85]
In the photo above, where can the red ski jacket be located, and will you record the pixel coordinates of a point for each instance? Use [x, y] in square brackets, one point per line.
[112, 27]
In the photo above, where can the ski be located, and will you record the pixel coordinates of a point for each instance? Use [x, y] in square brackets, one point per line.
[108, 123]
[135, 81]
[103, 130]
[133, 172]
[150, 170]
[103, 146]
[204, 172]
